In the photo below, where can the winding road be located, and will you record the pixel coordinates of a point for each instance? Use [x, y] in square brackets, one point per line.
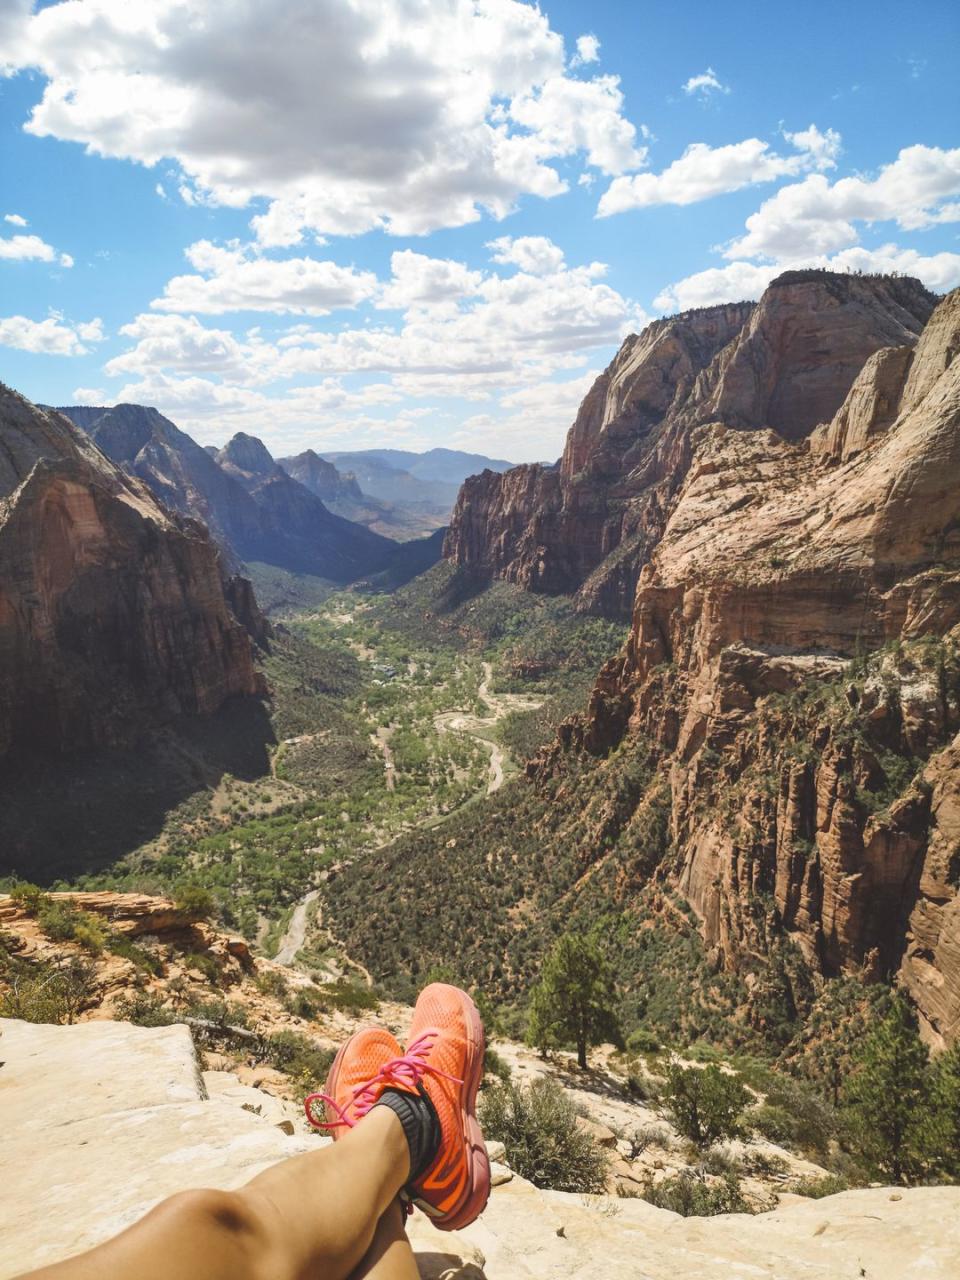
[479, 727]
[473, 726]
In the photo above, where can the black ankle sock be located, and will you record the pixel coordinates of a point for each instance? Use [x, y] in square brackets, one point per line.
[421, 1126]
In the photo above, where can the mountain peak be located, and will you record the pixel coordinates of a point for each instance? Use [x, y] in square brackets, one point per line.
[247, 453]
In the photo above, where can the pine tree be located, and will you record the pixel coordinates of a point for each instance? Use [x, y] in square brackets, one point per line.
[575, 1000]
[888, 1099]
[946, 1114]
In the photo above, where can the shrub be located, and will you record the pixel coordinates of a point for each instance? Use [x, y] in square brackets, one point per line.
[816, 1188]
[194, 900]
[220, 1013]
[145, 1010]
[27, 895]
[494, 1065]
[706, 1104]
[119, 945]
[272, 983]
[642, 1040]
[204, 963]
[62, 922]
[350, 997]
[298, 1056]
[48, 993]
[537, 1124]
[689, 1194]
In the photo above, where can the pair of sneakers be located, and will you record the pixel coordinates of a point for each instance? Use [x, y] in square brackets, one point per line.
[432, 1086]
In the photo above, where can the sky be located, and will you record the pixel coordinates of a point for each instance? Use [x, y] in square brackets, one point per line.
[344, 224]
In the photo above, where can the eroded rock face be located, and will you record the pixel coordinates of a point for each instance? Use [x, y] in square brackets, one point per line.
[787, 363]
[836, 805]
[113, 614]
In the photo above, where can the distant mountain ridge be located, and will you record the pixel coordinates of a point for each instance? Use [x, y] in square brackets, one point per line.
[252, 506]
[432, 478]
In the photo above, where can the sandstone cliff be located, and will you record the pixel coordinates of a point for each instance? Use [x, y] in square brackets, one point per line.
[814, 788]
[787, 363]
[113, 613]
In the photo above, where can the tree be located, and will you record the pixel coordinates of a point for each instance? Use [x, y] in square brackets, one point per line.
[887, 1099]
[706, 1104]
[946, 1114]
[575, 998]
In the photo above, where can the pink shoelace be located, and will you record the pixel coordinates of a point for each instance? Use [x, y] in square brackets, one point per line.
[406, 1071]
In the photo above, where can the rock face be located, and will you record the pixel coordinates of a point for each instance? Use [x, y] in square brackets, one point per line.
[71, 1185]
[250, 505]
[787, 363]
[113, 611]
[826, 790]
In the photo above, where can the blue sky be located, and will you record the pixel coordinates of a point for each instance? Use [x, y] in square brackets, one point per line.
[348, 223]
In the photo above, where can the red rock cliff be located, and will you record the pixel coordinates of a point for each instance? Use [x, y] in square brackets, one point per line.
[793, 672]
[787, 363]
[113, 615]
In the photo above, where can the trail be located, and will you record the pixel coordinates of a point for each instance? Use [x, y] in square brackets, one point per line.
[296, 932]
[480, 727]
[477, 727]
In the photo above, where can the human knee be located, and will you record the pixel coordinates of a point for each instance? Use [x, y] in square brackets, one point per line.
[206, 1211]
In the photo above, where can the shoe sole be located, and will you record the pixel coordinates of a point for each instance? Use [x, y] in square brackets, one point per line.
[478, 1163]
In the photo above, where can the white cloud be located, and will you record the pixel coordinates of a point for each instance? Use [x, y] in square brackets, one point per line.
[705, 84]
[236, 279]
[816, 216]
[703, 171]
[52, 337]
[184, 345]
[419, 280]
[588, 50]
[89, 395]
[407, 115]
[535, 254]
[30, 248]
[744, 280]
[15, 219]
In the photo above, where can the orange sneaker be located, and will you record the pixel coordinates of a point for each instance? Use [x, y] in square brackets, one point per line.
[444, 1059]
[354, 1082]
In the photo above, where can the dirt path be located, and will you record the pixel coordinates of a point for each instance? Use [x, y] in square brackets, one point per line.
[480, 727]
[296, 934]
[381, 740]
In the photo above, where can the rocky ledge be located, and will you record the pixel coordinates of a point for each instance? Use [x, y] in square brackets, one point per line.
[142, 1121]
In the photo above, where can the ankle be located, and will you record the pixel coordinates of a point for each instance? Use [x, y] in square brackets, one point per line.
[420, 1125]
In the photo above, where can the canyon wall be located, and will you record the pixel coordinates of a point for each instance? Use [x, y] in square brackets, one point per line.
[792, 673]
[787, 363]
[114, 615]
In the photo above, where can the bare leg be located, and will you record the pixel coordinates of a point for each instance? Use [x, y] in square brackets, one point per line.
[311, 1216]
[390, 1256]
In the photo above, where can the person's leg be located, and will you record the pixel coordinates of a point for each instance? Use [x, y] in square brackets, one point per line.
[390, 1256]
[311, 1216]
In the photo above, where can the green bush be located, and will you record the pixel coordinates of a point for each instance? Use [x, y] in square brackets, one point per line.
[706, 1104]
[194, 900]
[47, 992]
[146, 1010]
[219, 1012]
[27, 895]
[494, 1065]
[204, 963]
[119, 945]
[299, 1057]
[62, 922]
[691, 1196]
[272, 983]
[642, 1040]
[537, 1124]
[816, 1188]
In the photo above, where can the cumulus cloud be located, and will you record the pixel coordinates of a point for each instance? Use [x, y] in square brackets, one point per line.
[15, 219]
[704, 85]
[236, 279]
[588, 50]
[744, 280]
[535, 254]
[419, 280]
[30, 248]
[406, 115]
[703, 171]
[819, 216]
[52, 337]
